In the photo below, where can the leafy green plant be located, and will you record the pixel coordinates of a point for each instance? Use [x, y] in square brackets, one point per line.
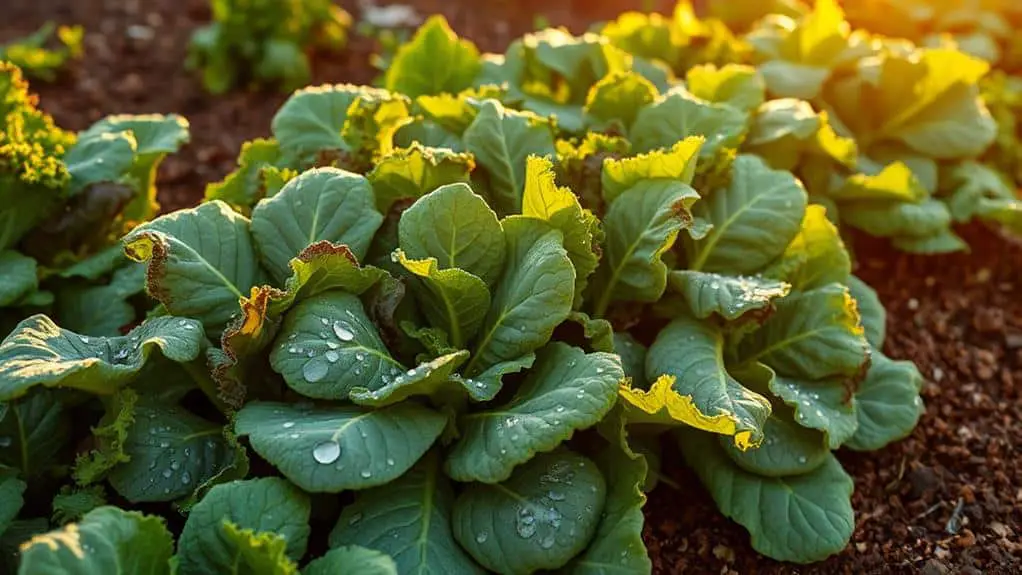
[265, 41]
[36, 55]
[66, 200]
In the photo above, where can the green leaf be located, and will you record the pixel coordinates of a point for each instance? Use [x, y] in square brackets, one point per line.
[894, 183]
[39, 352]
[675, 164]
[34, 430]
[321, 204]
[213, 540]
[330, 449]
[817, 255]
[352, 560]
[108, 439]
[813, 335]
[728, 297]
[311, 120]
[171, 453]
[107, 540]
[544, 199]
[738, 86]
[871, 311]
[501, 140]
[100, 157]
[753, 219]
[641, 225]
[534, 296]
[678, 115]
[451, 299]
[328, 345]
[887, 403]
[17, 277]
[410, 173]
[72, 503]
[702, 394]
[246, 185]
[818, 503]
[825, 405]
[520, 526]
[619, 96]
[435, 377]
[885, 219]
[11, 500]
[408, 519]
[434, 61]
[455, 226]
[617, 545]
[567, 390]
[201, 260]
[257, 553]
[788, 448]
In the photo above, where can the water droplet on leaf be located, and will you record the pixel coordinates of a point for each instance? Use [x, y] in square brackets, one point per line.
[314, 371]
[343, 333]
[326, 452]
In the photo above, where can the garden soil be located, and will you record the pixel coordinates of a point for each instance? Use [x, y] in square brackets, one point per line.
[947, 500]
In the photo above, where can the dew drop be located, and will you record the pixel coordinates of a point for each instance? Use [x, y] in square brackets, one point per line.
[314, 371]
[186, 478]
[547, 542]
[167, 473]
[326, 452]
[360, 356]
[84, 339]
[152, 464]
[481, 537]
[333, 344]
[343, 333]
[410, 372]
[581, 393]
[366, 474]
[175, 465]
[525, 525]
[390, 462]
[802, 459]
[189, 326]
[332, 356]
[289, 424]
[324, 321]
[599, 370]
[164, 444]
[295, 436]
[555, 496]
[292, 349]
[560, 409]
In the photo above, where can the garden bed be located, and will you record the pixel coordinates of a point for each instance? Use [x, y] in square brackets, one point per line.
[946, 500]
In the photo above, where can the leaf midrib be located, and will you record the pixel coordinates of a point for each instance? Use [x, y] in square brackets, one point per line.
[223, 279]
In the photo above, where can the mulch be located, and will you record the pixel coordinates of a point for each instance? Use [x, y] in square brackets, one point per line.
[947, 500]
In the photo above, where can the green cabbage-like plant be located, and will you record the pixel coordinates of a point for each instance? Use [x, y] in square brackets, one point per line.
[440, 393]
[66, 199]
[265, 41]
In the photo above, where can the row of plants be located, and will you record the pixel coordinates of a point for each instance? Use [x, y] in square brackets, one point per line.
[474, 300]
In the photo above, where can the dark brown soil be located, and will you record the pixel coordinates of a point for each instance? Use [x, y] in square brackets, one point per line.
[959, 317]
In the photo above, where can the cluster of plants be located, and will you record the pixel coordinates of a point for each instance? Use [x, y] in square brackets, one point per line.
[43, 53]
[265, 41]
[67, 198]
[444, 324]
